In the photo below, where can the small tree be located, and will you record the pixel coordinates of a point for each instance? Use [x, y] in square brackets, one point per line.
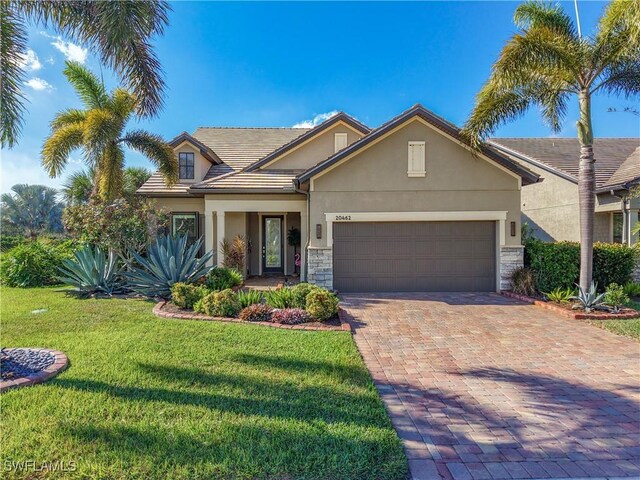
[32, 210]
[234, 253]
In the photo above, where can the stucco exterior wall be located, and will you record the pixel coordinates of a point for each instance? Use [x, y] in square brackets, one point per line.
[180, 204]
[200, 164]
[317, 149]
[375, 180]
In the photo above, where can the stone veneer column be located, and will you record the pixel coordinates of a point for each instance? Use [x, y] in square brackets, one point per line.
[320, 266]
[511, 257]
[636, 271]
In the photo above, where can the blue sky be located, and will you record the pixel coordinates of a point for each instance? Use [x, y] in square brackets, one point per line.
[280, 64]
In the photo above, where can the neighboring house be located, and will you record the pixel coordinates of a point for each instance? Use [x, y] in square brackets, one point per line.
[403, 207]
[550, 207]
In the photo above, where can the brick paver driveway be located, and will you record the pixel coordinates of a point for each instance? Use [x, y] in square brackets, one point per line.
[480, 386]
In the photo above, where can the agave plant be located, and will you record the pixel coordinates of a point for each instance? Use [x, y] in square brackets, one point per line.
[92, 271]
[168, 261]
[589, 299]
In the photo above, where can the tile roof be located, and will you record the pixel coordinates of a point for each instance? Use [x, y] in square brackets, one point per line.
[261, 180]
[629, 172]
[563, 155]
[156, 186]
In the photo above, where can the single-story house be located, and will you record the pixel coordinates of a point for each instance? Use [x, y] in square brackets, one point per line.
[550, 208]
[402, 207]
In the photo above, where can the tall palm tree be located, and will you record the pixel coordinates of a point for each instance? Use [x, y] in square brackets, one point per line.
[32, 209]
[120, 33]
[546, 64]
[98, 130]
[78, 186]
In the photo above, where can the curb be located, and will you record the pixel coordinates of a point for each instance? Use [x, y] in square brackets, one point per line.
[60, 363]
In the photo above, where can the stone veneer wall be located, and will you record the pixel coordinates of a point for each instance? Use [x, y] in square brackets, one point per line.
[320, 266]
[510, 259]
[636, 271]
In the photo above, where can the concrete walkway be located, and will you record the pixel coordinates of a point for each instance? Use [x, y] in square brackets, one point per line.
[479, 386]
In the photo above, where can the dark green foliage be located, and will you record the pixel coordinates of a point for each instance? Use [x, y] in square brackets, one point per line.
[219, 304]
[290, 316]
[322, 304]
[169, 260]
[249, 297]
[557, 265]
[31, 210]
[300, 292]
[92, 271]
[186, 295]
[7, 242]
[256, 313]
[523, 281]
[34, 264]
[221, 278]
[280, 298]
[632, 289]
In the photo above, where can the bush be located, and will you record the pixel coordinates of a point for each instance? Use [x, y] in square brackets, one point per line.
[632, 289]
[322, 304]
[234, 252]
[281, 298]
[615, 297]
[221, 278]
[219, 304]
[7, 242]
[92, 271]
[249, 297]
[256, 313]
[186, 295]
[34, 264]
[300, 292]
[523, 281]
[290, 316]
[560, 295]
[557, 265]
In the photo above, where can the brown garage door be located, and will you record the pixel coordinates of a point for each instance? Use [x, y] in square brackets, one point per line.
[414, 257]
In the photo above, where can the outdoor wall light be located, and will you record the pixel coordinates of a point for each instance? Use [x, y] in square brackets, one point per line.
[513, 229]
[318, 230]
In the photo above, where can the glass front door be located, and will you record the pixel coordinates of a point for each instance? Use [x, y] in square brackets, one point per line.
[272, 246]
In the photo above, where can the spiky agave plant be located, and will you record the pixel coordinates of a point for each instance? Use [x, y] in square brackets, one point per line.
[589, 299]
[169, 260]
[92, 271]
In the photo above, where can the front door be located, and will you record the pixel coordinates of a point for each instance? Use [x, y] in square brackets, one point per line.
[272, 245]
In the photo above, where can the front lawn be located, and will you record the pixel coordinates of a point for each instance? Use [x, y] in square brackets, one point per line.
[157, 398]
[628, 328]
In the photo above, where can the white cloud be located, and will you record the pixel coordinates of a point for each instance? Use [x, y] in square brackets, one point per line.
[29, 61]
[50, 60]
[38, 84]
[317, 120]
[70, 50]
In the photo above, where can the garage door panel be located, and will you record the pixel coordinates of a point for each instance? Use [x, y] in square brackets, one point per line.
[414, 256]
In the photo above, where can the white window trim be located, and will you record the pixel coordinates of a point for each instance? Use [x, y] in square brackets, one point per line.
[336, 136]
[423, 171]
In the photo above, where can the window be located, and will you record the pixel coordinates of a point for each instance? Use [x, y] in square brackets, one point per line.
[617, 227]
[185, 224]
[340, 141]
[416, 160]
[186, 162]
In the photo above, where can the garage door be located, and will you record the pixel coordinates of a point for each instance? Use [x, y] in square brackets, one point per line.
[414, 256]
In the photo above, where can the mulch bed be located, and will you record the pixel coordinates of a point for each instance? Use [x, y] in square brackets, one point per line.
[166, 309]
[28, 366]
[625, 313]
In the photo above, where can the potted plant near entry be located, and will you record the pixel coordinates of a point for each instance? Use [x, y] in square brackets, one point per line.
[293, 239]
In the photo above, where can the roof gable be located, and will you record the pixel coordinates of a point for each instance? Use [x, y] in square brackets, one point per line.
[205, 151]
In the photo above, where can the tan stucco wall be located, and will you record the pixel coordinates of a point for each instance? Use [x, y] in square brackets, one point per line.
[603, 227]
[375, 180]
[317, 149]
[180, 204]
[201, 165]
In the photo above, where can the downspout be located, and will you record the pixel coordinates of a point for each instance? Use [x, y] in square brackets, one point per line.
[296, 188]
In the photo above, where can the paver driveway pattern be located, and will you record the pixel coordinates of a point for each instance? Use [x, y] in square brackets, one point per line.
[479, 386]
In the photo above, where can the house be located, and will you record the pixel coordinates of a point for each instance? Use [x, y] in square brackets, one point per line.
[402, 207]
[550, 207]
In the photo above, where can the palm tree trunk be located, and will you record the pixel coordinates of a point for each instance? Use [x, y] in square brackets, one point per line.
[586, 190]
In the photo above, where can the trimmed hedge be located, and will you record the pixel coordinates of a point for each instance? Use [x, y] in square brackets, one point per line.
[557, 265]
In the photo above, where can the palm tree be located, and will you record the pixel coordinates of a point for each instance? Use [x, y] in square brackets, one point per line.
[78, 186]
[547, 63]
[98, 130]
[32, 209]
[118, 32]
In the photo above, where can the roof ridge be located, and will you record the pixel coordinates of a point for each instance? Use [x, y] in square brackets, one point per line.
[253, 128]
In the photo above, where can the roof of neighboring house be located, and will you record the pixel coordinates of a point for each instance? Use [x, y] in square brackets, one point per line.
[617, 161]
[262, 180]
[330, 122]
[433, 119]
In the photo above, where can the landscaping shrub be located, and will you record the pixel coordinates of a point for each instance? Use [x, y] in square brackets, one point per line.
[221, 278]
[290, 316]
[257, 312]
[233, 253]
[615, 297]
[33, 264]
[92, 271]
[280, 298]
[523, 281]
[300, 292]
[560, 295]
[7, 242]
[613, 263]
[322, 304]
[589, 299]
[219, 304]
[249, 297]
[632, 289]
[186, 295]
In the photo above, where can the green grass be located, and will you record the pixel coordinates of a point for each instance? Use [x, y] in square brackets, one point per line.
[158, 398]
[628, 328]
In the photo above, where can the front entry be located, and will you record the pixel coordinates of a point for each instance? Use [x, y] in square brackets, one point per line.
[272, 244]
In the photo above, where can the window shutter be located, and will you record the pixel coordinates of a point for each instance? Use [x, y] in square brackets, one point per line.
[340, 141]
[416, 160]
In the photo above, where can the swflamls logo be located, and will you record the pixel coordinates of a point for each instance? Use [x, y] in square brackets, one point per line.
[34, 466]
